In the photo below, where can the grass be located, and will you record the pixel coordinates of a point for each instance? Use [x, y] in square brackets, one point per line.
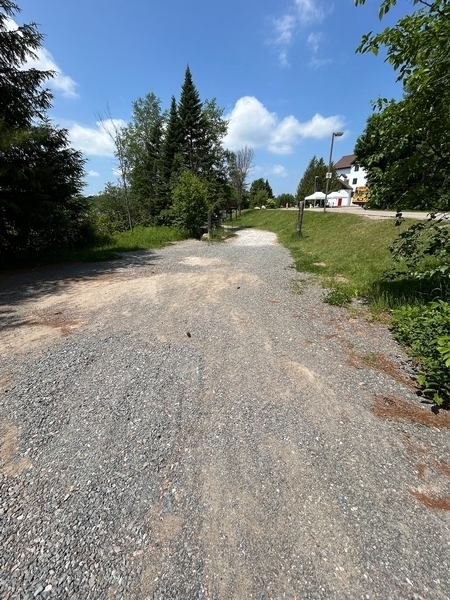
[141, 238]
[349, 252]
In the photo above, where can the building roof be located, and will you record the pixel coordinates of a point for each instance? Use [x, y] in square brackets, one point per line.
[345, 162]
[345, 185]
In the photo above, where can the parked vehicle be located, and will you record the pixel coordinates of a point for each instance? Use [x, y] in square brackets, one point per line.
[361, 196]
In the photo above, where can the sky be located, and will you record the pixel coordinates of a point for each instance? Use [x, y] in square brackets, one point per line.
[285, 72]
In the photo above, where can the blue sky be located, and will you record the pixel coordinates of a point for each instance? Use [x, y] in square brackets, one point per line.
[285, 72]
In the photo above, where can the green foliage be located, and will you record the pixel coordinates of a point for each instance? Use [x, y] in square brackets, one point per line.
[284, 199]
[41, 207]
[143, 139]
[153, 151]
[308, 184]
[190, 203]
[142, 238]
[405, 147]
[339, 296]
[110, 210]
[425, 330]
[22, 96]
[422, 253]
[260, 192]
[258, 198]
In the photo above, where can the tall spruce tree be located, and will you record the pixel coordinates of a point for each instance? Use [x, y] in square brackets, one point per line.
[193, 126]
[40, 175]
[22, 97]
[170, 163]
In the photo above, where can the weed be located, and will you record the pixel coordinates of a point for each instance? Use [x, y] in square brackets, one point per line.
[339, 296]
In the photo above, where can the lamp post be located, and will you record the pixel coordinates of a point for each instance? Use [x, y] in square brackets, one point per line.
[334, 134]
[316, 177]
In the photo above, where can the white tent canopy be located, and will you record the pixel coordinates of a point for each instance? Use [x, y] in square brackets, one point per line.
[316, 196]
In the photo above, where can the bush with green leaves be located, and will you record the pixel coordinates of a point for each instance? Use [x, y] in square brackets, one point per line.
[422, 253]
[425, 330]
[190, 203]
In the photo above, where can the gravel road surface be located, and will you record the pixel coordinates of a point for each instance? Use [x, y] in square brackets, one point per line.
[195, 423]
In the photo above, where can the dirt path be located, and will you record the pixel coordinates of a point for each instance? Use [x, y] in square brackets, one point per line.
[196, 423]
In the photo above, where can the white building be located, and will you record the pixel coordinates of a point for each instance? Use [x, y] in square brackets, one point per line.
[349, 171]
[343, 197]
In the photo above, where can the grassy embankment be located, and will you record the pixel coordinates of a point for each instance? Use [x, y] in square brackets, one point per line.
[141, 238]
[349, 252]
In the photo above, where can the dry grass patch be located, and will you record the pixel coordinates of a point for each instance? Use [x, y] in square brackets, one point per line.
[397, 409]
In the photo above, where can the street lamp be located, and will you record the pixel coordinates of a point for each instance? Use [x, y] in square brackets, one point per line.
[316, 177]
[334, 134]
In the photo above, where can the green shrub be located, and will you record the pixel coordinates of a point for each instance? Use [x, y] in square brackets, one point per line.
[425, 330]
[339, 296]
[422, 253]
[190, 203]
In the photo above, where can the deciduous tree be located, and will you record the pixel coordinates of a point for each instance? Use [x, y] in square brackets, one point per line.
[241, 163]
[406, 145]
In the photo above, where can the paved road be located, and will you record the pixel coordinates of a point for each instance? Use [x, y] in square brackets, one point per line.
[196, 423]
[374, 214]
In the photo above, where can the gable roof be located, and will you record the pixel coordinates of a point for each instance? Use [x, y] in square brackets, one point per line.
[345, 162]
[344, 184]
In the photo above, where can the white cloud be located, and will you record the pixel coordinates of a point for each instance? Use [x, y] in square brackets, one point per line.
[316, 63]
[251, 124]
[44, 61]
[278, 171]
[314, 41]
[309, 11]
[59, 83]
[284, 29]
[95, 141]
[301, 13]
[93, 174]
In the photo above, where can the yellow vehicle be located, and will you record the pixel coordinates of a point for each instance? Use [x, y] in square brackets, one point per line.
[361, 196]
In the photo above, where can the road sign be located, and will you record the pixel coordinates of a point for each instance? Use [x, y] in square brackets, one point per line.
[329, 175]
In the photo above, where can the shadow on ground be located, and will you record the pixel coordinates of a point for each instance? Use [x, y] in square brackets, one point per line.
[28, 284]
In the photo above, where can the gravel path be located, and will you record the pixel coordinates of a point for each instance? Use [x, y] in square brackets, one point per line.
[196, 423]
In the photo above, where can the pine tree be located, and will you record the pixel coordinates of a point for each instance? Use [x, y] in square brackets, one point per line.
[309, 184]
[22, 97]
[268, 189]
[40, 175]
[172, 143]
[193, 126]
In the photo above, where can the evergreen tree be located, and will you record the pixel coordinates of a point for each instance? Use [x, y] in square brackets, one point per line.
[40, 175]
[22, 97]
[170, 157]
[40, 186]
[268, 189]
[308, 184]
[257, 186]
[190, 113]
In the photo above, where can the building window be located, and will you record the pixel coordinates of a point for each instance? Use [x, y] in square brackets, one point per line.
[356, 168]
[355, 181]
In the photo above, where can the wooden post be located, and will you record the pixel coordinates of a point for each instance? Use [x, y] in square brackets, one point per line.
[209, 224]
[301, 208]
